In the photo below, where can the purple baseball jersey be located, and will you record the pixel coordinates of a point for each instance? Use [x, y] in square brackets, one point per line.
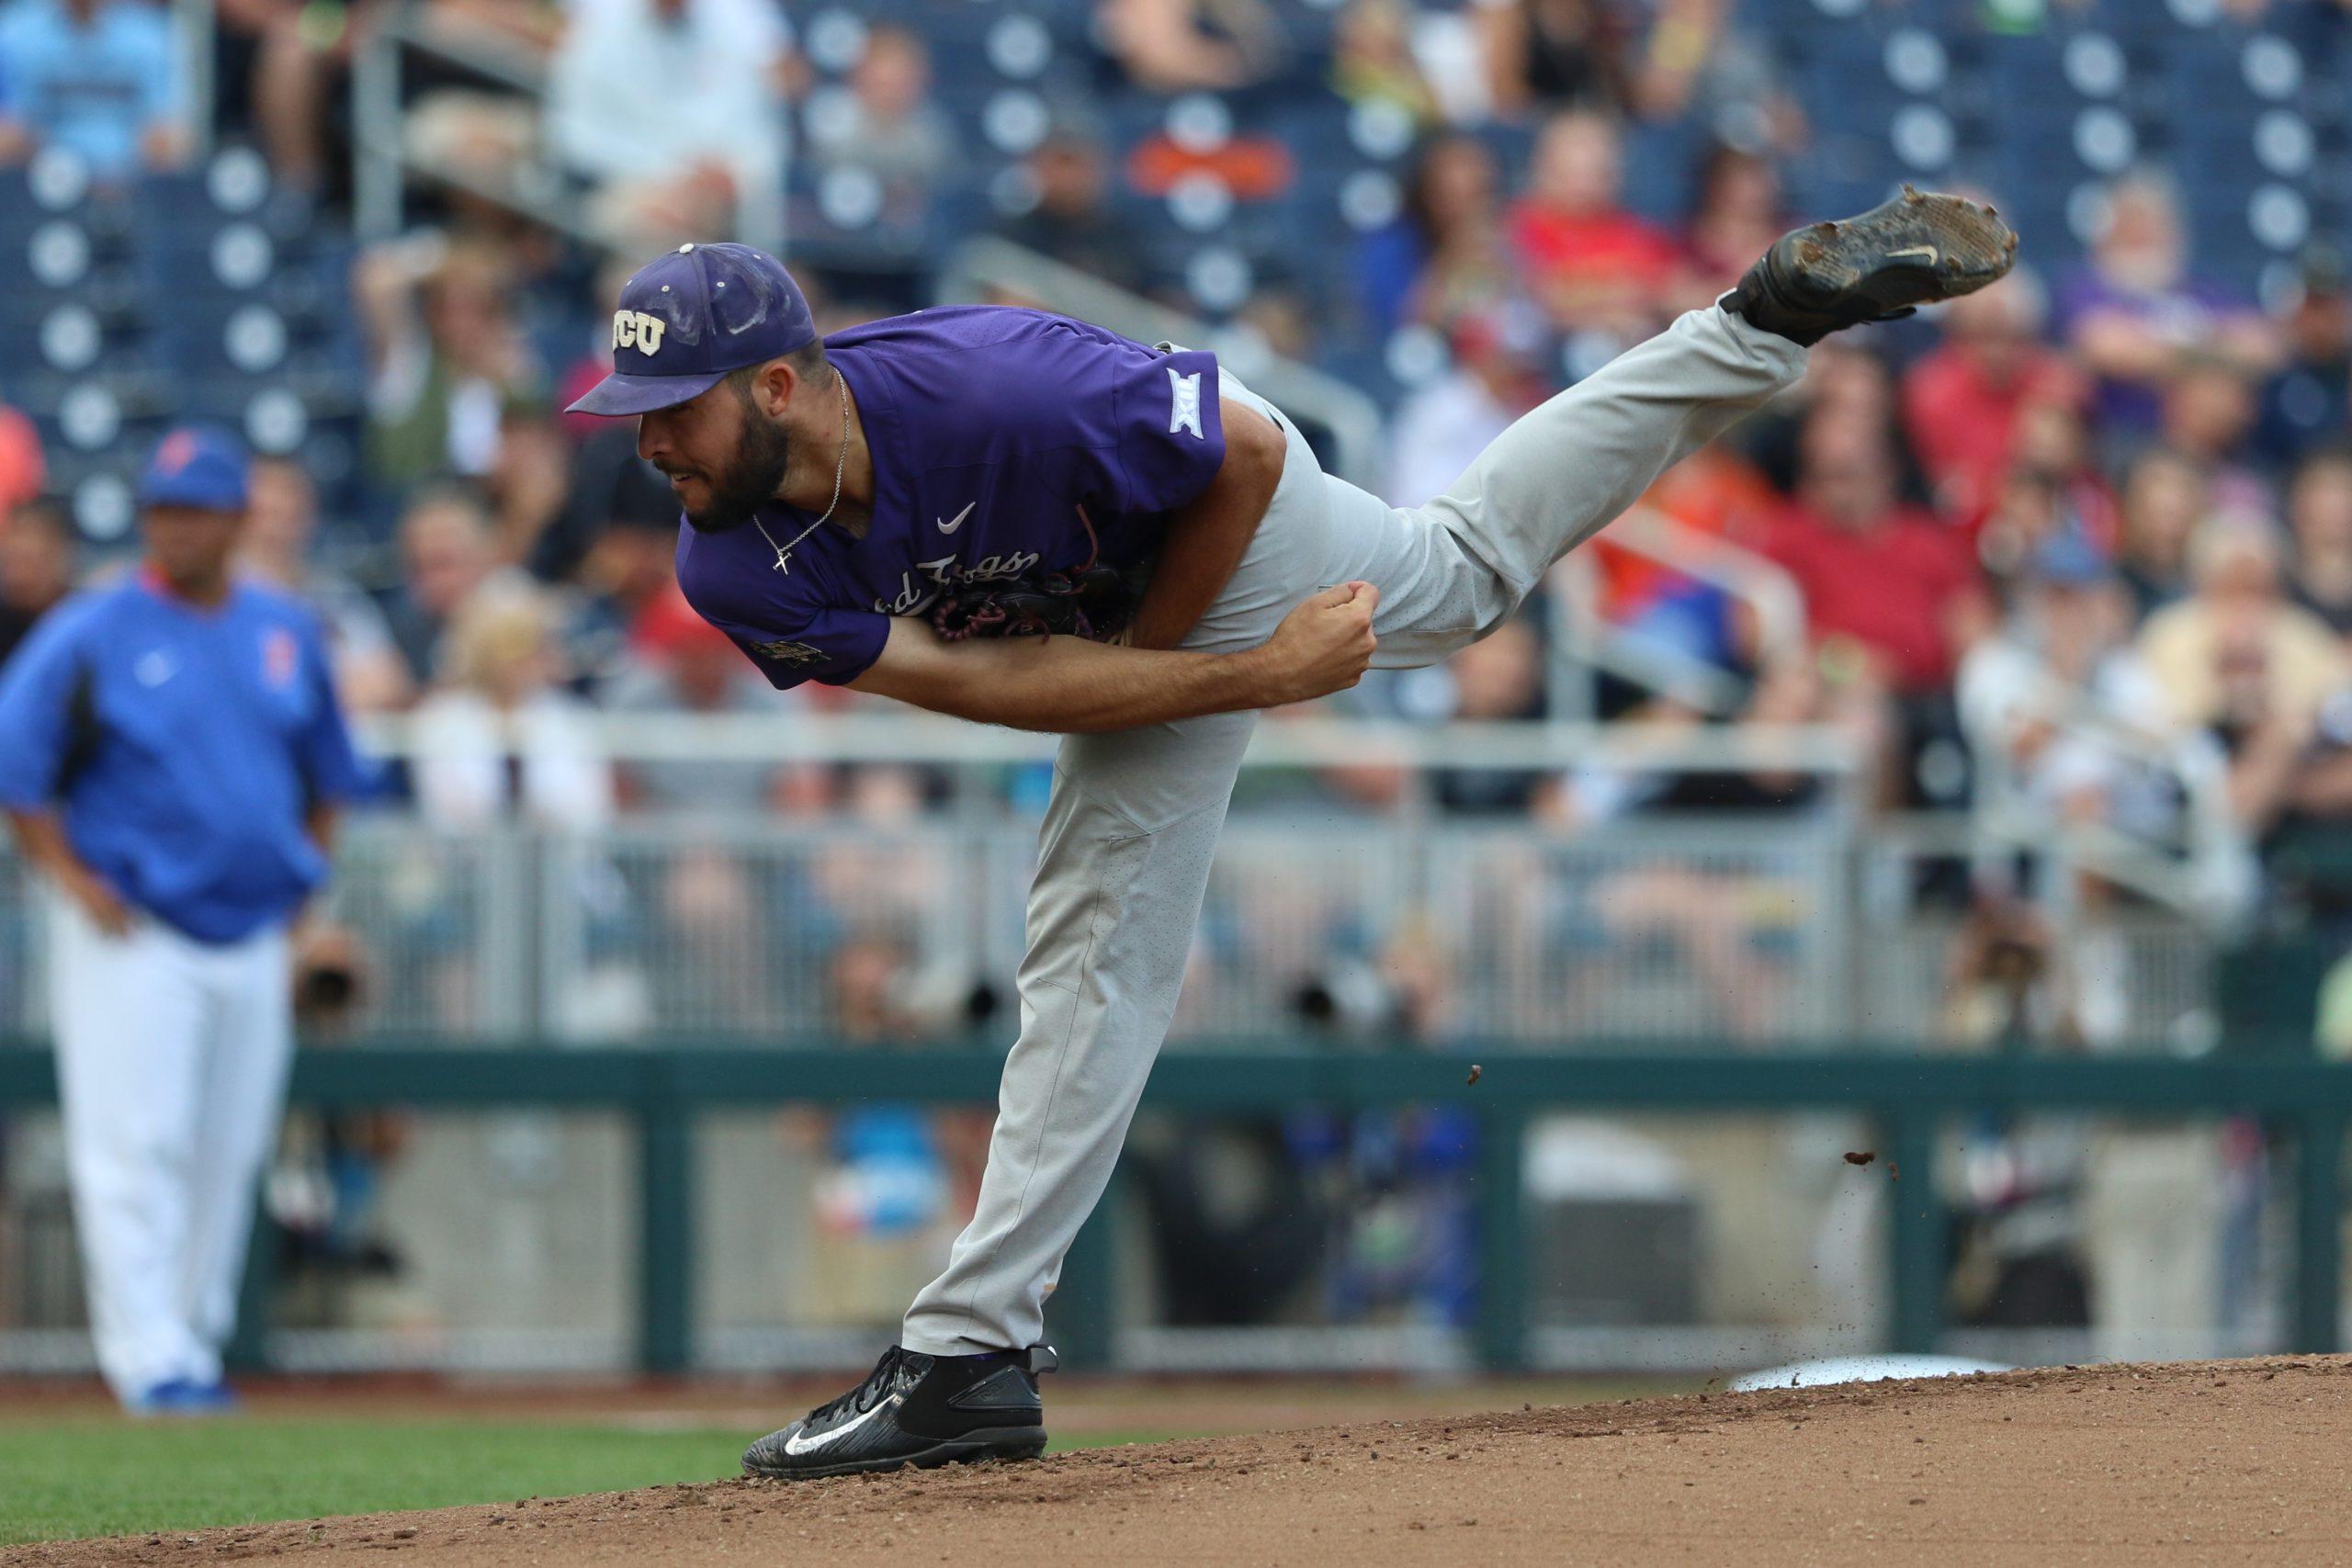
[991, 428]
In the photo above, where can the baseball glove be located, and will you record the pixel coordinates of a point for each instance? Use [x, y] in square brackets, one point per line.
[1094, 601]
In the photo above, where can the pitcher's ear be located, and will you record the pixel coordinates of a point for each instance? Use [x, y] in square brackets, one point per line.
[773, 386]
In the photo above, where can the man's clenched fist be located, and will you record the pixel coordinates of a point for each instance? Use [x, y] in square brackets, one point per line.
[1322, 646]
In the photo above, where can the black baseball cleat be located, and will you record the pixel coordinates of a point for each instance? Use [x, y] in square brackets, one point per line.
[917, 1410]
[1912, 251]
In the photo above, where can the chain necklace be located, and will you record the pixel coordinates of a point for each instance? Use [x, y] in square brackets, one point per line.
[840, 467]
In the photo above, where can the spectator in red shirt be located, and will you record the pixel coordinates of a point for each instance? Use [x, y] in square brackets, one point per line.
[1962, 405]
[1593, 266]
[21, 474]
[1881, 579]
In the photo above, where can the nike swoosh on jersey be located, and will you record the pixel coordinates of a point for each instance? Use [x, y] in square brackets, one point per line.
[797, 1446]
[957, 521]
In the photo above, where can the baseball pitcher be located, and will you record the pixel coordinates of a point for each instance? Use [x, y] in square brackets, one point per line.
[889, 509]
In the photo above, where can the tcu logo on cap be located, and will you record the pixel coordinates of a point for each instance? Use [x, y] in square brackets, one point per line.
[635, 329]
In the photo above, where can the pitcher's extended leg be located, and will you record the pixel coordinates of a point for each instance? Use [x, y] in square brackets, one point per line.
[1452, 569]
[1574, 463]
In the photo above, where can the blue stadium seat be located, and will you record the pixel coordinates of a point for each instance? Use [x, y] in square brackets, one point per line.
[1316, 131]
[1660, 161]
[116, 293]
[1365, 369]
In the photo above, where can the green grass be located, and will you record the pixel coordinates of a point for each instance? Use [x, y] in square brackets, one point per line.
[86, 1475]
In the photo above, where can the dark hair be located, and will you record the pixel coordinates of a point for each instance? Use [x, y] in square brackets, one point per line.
[1417, 206]
[1910, 476]
[808, 362]
[2331, 453]
[1714, 164]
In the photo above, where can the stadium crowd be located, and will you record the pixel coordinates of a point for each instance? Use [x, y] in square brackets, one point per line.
[2077, 539]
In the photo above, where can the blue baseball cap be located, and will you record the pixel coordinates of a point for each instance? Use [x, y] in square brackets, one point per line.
[688, 317]
[200, 466]
[2068, 560]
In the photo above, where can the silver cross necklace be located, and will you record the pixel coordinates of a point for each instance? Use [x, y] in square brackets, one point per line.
[840, 467]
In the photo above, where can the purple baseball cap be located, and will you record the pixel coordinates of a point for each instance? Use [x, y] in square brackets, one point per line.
[688, 317]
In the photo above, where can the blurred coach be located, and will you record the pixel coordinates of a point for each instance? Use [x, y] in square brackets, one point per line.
[171, 757]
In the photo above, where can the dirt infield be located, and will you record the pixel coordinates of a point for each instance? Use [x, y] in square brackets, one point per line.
[2200, 1462]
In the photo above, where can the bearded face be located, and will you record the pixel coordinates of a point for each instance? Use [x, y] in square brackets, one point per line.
[724, 458]
[751, 477]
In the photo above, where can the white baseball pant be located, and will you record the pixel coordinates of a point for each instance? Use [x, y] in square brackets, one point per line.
[172, 1058]
[1133, 821]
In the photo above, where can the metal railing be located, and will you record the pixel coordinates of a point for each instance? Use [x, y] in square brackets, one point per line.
[1317, 920]
[896, 734]
[1586, 646]
[2142, 974]
[2200, 864]
[1608, 927]
[382, 157]
[194, 22]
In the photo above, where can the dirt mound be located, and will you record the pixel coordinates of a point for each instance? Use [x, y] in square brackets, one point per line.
[2099, 1464]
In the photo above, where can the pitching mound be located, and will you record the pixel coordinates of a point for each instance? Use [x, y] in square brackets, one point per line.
[2189, 1462]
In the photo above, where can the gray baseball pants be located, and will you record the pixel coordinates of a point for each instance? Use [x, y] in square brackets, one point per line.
[1132, 824]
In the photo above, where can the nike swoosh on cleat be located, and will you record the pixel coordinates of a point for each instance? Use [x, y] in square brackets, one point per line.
[798, 1445]
[957, 521]
[1928, 251]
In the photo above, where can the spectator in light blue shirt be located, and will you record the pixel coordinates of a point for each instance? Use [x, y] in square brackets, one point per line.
[99, 78]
